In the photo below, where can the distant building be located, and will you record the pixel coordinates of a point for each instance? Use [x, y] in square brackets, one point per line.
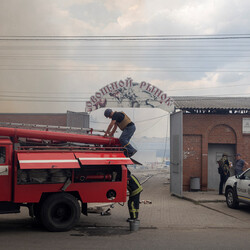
[212, 126]
[69, 119]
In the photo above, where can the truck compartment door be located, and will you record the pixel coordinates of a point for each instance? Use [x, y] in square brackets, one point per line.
[59, 160]
[103, 158]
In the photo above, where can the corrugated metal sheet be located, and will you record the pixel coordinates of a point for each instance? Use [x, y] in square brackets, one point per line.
[203, 102]
[77, 119]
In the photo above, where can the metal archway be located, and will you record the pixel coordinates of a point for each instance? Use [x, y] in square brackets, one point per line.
[129, 94]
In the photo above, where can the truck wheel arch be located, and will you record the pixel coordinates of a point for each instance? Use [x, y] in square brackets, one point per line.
[59, 212]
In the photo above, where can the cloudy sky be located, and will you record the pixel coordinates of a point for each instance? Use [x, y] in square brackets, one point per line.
[54, 54]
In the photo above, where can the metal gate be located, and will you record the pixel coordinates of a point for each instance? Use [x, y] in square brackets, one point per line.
[176, 153]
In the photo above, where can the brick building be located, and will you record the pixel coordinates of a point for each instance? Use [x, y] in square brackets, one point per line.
[211, 127]
[69, 119]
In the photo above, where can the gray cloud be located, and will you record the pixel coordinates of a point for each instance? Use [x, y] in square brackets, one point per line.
[230, 77]
[102, 16]
[65, 64]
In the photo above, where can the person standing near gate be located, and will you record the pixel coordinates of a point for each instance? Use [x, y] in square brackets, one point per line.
[240, 165]
[223, 170]
[121, 120]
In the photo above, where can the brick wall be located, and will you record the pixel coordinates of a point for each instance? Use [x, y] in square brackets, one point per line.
[191, 158]
[201, 129]
[222, 134]
[42, 119]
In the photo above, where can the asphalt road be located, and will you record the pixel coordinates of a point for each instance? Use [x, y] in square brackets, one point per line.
[167, 223]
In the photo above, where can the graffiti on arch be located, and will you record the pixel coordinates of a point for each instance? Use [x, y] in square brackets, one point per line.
[129, 94]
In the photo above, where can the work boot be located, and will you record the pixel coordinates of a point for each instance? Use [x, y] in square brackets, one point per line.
[131, 154]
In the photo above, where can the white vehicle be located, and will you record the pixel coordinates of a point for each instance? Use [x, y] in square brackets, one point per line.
[237, 189]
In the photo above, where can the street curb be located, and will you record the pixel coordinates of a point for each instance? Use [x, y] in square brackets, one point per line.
[197, 201]
[185, 198]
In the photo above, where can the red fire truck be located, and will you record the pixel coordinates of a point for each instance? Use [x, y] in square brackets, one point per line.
[56, 174]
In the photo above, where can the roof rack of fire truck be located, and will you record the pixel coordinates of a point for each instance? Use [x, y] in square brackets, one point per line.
[32, 135]
[64, 129]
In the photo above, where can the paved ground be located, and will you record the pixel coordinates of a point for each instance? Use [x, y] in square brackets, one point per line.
[168, 223]
[202, 197]
[213, 201]
[169, 211]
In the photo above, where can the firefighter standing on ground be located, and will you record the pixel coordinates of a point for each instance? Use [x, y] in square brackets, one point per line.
[135, 189]
[121, 120]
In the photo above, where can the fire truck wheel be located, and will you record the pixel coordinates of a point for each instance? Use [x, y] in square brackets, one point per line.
[60, 212]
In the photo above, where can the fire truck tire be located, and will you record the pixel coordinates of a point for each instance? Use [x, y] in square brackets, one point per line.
[60, 212]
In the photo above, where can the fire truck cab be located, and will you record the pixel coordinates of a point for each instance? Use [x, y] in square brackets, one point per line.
[6, 149]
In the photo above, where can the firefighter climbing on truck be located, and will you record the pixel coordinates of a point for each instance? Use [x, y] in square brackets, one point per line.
[121, 120]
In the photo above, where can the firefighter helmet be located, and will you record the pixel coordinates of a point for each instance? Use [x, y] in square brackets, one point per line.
[107, 112]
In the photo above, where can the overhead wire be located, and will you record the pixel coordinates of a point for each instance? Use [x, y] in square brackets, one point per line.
[140, 121]
[35, 100]
[189, 98]
[82, 99]
[130, 38]
[151, 126]
[217, 41]
[131, 70]
[213, 87]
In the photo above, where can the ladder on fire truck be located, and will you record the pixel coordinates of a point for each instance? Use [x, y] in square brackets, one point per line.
[37, 134]
[53, 128]
[74, 134]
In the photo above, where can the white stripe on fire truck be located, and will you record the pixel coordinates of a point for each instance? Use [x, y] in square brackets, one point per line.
[100, 158]
[47, 161]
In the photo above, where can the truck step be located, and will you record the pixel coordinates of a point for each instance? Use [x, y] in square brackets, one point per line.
[9, 207]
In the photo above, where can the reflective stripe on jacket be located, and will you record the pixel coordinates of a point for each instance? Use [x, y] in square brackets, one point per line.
[134, 186]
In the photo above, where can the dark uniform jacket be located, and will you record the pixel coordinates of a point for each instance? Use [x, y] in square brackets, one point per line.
[223, 167]
[134, 186]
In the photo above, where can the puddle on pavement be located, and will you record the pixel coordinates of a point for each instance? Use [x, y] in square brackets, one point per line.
[105, 231]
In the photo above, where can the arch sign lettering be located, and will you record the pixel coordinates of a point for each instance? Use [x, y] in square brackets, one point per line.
[129, 94]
